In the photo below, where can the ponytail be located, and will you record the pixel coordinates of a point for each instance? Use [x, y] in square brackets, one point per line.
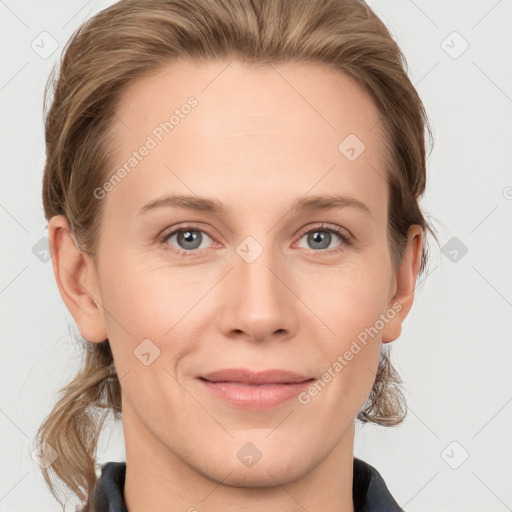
[70, 432]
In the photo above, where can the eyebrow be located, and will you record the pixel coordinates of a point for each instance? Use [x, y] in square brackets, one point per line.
[304, 204]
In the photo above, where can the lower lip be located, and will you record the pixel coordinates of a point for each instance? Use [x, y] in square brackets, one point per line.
[256, 396]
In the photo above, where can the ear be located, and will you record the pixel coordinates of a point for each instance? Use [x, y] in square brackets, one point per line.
[77, 280]
[406, 276]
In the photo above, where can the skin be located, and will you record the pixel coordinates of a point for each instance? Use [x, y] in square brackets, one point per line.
[257, 140]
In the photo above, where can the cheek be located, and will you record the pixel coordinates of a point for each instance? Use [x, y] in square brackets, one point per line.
[148, 311]
[146, 301]
[350, 299]
[351, 307]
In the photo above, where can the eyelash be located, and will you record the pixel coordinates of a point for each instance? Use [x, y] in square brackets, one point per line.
[344, 235]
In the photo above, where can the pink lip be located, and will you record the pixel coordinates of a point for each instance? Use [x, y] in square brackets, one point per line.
[255, 390]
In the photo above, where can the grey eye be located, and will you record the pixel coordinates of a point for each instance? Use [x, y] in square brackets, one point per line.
[187, 239]
[319, 237]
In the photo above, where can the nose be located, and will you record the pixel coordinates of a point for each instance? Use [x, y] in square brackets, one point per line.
[259, 302]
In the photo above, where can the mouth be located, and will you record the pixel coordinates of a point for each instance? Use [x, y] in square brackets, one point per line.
[255, 390]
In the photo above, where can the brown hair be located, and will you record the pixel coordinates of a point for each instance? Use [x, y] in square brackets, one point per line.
[135, 38]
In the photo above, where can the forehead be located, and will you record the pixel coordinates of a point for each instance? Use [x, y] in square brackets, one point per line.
[296, 125]
[249, 96]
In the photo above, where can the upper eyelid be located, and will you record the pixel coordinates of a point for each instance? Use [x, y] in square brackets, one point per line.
[327, 227]
[167, 232]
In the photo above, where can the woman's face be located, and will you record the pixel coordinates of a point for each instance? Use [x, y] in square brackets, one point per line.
[265, 275]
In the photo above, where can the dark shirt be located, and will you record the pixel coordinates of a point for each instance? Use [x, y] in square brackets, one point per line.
[369, 491]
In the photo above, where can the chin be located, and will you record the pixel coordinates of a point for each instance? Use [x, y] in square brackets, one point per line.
[260, 476]
[276, 466]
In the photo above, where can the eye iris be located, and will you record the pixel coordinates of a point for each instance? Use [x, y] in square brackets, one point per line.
[189, 236]
[320, 236]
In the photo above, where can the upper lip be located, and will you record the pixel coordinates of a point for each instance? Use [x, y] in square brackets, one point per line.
[253, 377]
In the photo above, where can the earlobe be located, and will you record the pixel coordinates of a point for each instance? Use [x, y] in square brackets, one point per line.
[77, 280]
[406, 277]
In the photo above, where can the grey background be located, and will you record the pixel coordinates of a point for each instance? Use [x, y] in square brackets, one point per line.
[453, 452]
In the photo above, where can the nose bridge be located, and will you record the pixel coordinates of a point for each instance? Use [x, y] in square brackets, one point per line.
[256, 269]
[259, 301]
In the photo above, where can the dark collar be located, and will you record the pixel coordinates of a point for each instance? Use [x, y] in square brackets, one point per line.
[369, 491]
